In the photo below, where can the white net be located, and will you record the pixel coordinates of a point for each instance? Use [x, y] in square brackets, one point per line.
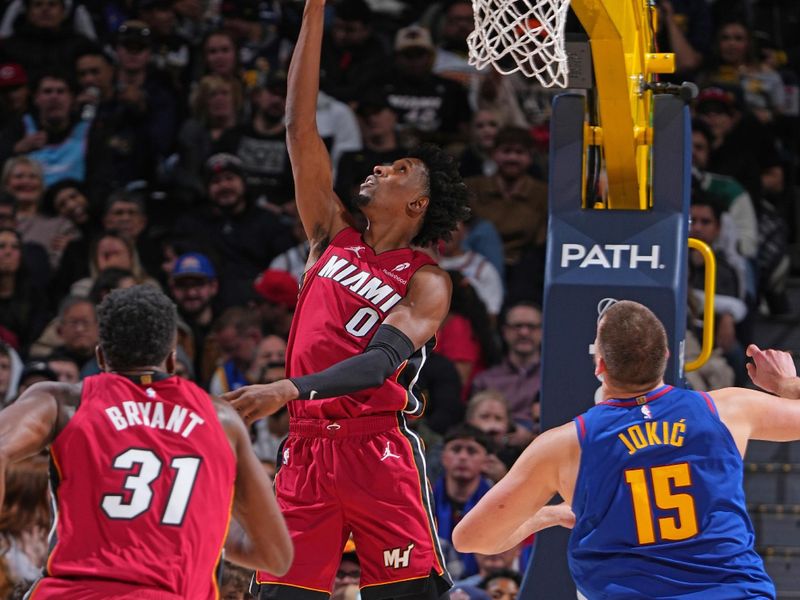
[521, 35]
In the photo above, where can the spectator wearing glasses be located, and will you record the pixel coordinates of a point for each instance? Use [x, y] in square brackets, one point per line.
[77, 327]
[348, 576]
[518, 376]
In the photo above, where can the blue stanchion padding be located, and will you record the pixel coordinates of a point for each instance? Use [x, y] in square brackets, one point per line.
[597, 255]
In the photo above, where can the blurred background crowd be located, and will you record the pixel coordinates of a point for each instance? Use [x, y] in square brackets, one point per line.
[142, 141]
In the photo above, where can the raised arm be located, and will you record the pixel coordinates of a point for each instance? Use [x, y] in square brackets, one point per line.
[405, 329]
[321, 211]
[258, 538]
[773, 371]
[30, 423]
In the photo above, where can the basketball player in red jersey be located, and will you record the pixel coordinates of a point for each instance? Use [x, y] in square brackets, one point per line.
[368, 310]
[145, 470]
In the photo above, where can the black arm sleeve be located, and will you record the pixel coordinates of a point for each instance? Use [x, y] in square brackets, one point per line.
[387, 351]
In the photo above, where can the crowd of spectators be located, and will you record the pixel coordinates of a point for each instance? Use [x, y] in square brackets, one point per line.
[143, 142]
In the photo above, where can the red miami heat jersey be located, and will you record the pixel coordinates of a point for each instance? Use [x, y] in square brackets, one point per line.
[344, 298]
[142, 479]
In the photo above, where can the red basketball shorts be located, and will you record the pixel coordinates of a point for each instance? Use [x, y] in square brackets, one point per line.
[366, 476]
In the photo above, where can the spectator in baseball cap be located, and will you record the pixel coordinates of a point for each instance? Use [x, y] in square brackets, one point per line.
[193, 264]
[222, 162]
[276, 299]
[134, 35]
[14, 92]
[12, 75]
[194, 287]
[719, 98]
[413, 37]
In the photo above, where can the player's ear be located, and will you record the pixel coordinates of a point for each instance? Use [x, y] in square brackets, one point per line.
[599, 366]
[417, 207]
[172, 362]
[101, 358]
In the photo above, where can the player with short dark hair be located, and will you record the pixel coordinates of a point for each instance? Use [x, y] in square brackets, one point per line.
[653, 474]
[368, 310]
[146, 469]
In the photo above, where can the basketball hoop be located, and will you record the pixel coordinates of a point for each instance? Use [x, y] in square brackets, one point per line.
[521, 35]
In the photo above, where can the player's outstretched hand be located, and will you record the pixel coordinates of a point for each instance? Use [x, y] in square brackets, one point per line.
[770, 370]
[253, 402]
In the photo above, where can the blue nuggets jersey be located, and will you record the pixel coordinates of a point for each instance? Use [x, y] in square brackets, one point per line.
[659, 504]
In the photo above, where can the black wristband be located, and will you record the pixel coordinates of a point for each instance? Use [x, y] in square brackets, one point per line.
[386, 351]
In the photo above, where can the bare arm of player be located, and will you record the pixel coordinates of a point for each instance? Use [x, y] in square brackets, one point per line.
[321, 211]
[508, 513]
[420, 314]
[262, 541]
[30, 423]
[416, 318]
[773, 371]
[755, 415]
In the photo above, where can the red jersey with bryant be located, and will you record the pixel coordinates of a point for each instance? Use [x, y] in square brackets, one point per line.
[142, 480]
[344, 298]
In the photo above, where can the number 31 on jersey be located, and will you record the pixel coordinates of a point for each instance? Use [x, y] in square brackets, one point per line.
[147, 468]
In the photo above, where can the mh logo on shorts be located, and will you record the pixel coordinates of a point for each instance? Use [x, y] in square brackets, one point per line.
[397, 558]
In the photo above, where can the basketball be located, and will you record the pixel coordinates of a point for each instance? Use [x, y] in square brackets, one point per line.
[531, 25]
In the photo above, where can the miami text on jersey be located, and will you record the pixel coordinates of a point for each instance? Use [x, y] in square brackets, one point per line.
[363, 283]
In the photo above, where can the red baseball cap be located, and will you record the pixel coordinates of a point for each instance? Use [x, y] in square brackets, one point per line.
[278, 287]
[12, 75]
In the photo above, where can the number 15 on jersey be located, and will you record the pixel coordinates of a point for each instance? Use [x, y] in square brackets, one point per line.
[662, 485]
